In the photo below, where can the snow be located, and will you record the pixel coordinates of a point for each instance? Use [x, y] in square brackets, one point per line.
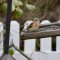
[45, 22]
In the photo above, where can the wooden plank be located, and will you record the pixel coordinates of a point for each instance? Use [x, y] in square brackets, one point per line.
[42, 34]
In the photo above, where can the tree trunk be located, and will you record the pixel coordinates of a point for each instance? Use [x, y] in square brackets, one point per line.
[7, 28]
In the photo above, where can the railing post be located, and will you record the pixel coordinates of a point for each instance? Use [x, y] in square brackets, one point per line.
[21, 44]
[37, 44]
[54, 43]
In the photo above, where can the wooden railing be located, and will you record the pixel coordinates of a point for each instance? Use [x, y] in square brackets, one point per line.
[51, 30]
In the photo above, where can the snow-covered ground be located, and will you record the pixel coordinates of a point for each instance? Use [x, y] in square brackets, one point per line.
[29, 47]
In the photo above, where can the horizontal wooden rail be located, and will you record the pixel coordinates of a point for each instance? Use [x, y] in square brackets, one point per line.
[32, 35]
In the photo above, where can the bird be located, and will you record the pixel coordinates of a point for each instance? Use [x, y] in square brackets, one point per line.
[31, 25]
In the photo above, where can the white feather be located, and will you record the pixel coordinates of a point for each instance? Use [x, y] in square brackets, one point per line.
[27, 24]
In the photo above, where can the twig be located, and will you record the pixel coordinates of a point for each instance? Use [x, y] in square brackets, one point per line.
[20, 52]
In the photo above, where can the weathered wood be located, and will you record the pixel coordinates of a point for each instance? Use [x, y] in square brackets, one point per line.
[54, 43]
[21, 45]
[37, 44]
[32, 35]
